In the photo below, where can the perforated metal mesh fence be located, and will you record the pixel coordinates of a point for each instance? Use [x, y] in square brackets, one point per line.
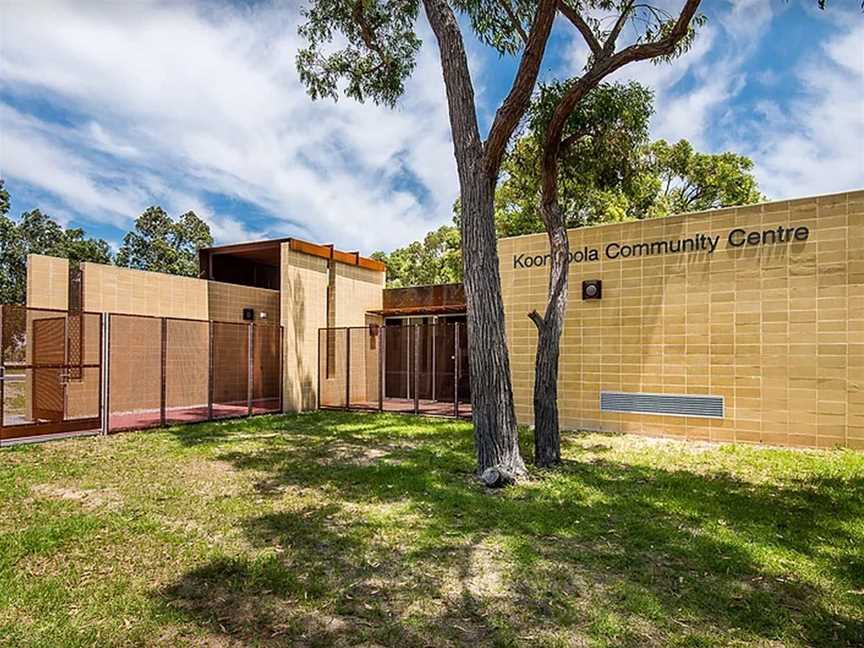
[416, 368]
[64, 372]
[187, 371]
[164, 371]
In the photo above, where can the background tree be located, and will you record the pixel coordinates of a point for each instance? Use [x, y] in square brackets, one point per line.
[36, 233]
[690, 181]
[4, 198]
[160, 244]
[436, 259]
[601, 176]
[625, 180]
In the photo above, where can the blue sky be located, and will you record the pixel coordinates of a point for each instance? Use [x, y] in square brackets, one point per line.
[107, 108]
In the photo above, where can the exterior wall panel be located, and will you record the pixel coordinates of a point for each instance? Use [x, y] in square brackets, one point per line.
[137, 292]
[47, 282]
[359, 290]
[777, 329]
[227, 301]
[304, 311]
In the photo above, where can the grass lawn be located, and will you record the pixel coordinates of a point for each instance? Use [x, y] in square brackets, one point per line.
[332, 529]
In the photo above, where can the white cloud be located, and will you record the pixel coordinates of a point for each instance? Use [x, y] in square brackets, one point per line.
[176, 102]
[816, 145]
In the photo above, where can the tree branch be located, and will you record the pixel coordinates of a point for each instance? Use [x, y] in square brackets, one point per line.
[663, 47]
[535, 317]
[574, 17]
[570, 140]
[612, 38]
[601, 68]
[367, 34]
[518, 99]
[457, 79]
[517, 24]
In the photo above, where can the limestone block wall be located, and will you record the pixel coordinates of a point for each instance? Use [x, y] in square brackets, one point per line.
[137, 292]
[771, 319]
[47, 282]
[359, 290]
[303, 312]
[227, 301]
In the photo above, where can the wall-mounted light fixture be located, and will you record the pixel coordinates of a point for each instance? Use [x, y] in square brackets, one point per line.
[592, 289]
[248, 314]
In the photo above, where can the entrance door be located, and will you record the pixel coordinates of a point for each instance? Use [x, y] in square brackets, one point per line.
[50, 372]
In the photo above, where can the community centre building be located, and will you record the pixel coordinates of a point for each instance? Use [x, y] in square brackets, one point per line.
[740, 324]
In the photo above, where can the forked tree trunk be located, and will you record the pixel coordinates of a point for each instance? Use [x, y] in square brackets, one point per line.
[547, 441]
[547, 436]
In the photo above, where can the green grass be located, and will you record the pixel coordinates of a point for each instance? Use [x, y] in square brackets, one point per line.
[331, 529]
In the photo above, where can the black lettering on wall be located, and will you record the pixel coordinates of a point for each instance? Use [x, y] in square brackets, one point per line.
[705, 243]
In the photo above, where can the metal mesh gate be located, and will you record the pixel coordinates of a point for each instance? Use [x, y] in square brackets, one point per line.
[187, 371]
[50, 372]
[416, 368]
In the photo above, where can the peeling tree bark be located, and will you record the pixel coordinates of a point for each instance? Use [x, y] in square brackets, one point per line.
[495, 434]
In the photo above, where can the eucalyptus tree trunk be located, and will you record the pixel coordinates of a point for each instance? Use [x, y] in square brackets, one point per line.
[547, 435]
[495, 433]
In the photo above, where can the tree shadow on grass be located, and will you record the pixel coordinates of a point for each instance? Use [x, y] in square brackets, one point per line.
[408, 550]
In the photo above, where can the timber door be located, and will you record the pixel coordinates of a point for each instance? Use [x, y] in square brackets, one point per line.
[50, 372]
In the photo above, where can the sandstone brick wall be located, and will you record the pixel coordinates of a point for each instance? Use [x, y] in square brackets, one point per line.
[47, 282]
[137, 292]
[303, 312]
[359, 290]
[227, 301]
[776, 328]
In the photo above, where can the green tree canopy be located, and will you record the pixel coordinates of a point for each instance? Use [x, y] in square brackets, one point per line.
[609, 171]
[4, 198]
[692, 181]
[435, 260]
[160, 244]
[657, 179]
[37, 233]
[599, 174]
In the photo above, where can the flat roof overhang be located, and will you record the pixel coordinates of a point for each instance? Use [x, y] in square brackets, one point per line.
[269, 253]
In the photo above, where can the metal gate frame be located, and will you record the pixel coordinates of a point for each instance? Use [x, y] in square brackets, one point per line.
[328, 336]
[64, 370]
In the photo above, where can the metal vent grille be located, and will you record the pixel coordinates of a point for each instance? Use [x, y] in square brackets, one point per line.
[662, 404]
